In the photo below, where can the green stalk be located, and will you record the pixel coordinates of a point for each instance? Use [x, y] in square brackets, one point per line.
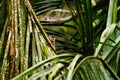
[110, 11]
[57, 69]
[72, 66]
[16, 35]
[81, 24]
[105, 35]
[34, 57]
[37, 66]
[13, 18]
[89, 27]
[111, 49]
[2, 36]
[22, 26]
[39, 25]
[110, 26]
[38, 44]
[27, 42]
[4, 64]
[115, 11]
[42, 73]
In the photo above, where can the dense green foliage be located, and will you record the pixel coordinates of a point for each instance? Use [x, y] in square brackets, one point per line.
[86, 45]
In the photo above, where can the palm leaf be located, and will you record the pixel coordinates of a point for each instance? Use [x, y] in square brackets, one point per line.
[93, 68]
[27, 53]
[20, 25]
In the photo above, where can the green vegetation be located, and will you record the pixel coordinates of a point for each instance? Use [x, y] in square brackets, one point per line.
[86, 45]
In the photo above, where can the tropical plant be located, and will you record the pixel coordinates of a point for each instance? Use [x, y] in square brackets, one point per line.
[89, 50]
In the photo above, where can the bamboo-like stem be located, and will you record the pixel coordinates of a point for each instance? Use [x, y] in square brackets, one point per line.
[21, 51]
[27, 44]
[89, 27]
[12, 42]
[38, 45]
[110, 25]
[39, 25]
[37, 41]
[2, 36]
[16, 36]
[22, 27]
[5, 62]
[72, 66]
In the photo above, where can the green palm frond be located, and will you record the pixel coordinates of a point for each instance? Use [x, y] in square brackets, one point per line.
[95, 69]
[44, 6]
[56, 60]
[87, 45]
[25, 38]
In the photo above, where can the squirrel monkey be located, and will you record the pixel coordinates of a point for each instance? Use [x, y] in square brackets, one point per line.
[52, 39]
